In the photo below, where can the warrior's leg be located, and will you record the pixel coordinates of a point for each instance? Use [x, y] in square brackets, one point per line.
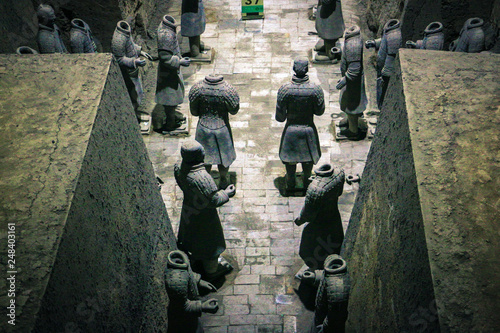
[329, 43]
[224, 179]
[306, 173]
[195, 48]
[170, 123]
[210, 265]
[353, 122]
[290, 174]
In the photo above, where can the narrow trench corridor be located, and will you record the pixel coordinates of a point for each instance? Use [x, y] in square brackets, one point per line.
[256, 57]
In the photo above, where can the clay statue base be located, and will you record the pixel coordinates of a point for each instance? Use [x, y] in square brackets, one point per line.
[145, 124]
[327, 60]
[208, 58]
[341, 126]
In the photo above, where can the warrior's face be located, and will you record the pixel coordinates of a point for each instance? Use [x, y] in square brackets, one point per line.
[46, 15]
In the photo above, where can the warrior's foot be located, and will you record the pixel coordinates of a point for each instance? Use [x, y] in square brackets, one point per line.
[223, 268]
[344, 123]
[350, 135]
[204, 47]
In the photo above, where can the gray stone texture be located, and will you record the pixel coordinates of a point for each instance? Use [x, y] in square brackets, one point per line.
[416, 14]
[424, 225]
[92, 230]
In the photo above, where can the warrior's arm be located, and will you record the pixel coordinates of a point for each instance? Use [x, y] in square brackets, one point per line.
[194, 99]
[280, 105]
[320, 102]
[218, 199]
[168, 59]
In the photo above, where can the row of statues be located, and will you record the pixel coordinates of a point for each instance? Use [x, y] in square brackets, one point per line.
[130, 57]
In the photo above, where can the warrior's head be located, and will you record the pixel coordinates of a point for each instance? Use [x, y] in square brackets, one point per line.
[301, 67]
[192, 152]
[46, 15]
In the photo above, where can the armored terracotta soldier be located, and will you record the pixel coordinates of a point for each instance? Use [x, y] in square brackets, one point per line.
[471, 38]
[81, 38]
[433, 38]
[324, 233]
[213, 99]
[185, 306]
[352, 87]
[127, 54]
[330, 27]
[200, 230]
[387, 47]
[193, 23]
[298, 102]
[25, 50]
[332, 297]
[170, 84]
[49, 36]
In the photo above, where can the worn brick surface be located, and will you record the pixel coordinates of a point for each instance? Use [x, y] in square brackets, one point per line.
[256, 56]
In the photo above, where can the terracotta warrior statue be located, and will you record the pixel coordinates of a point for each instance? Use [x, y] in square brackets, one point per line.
[81, 38]
[352, 87]
[387, 47]
[200, 230]
[49, 36]
[185, 306]
[127, 54]
[324, 233]
[193, 23]
[170, 84]
[25, 50]
[433, 38]
[332, 297]
[298, 102]
[330, 27]
[471, 38]
[213, 99]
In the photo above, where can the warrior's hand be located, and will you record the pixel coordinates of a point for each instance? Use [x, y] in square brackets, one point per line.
[185, 62]
[230, 190]
[308, 277]
[299, 222]
[411, 44]
[139, 62]
[146, 55]
[207, 285]
[210, 306]
[341, 83]
[370, 43]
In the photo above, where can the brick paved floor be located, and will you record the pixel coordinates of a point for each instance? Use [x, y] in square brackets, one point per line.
[262, 240]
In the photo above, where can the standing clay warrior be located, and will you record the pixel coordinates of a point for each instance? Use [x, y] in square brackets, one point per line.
[433, 38]
[193, 23]
[298, 102]
[330, 27]
[170, 84]
[213, 99]
[25, 50]
[471, 38]
[332, 297]
[185, 306]
[127, 54]
[387, 47]
[81, 38]
[324, 233]
[49, 36]
[200, 230]
[352, 94]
